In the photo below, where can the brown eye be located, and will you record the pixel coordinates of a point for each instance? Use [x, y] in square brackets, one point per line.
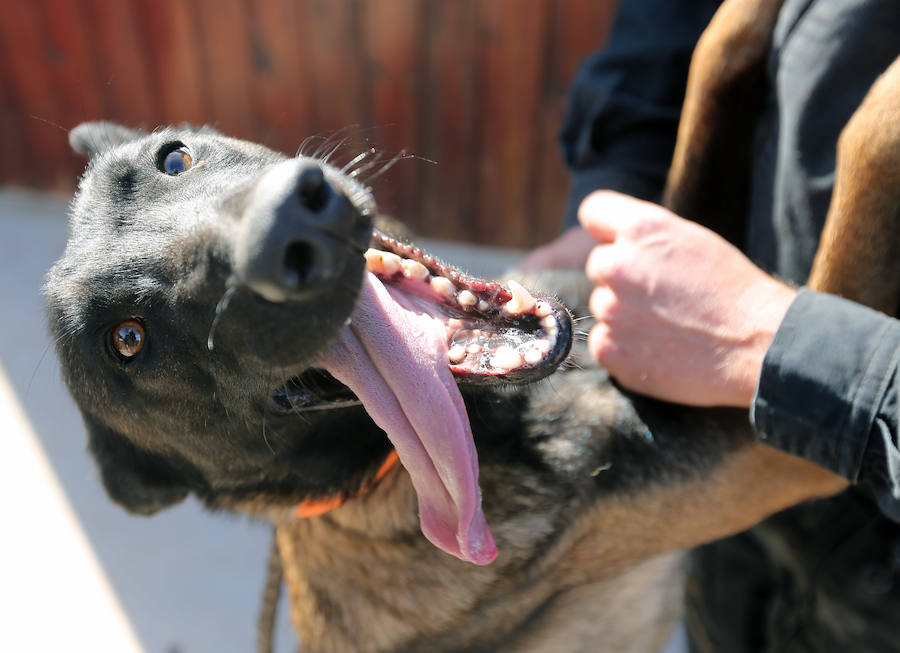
[177, 161]
[128, 338]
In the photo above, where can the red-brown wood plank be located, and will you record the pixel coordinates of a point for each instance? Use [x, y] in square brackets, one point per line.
[174, 60]
[32, 94]
[280, 30]
[227, 65]
[449, 121]
[391, 37]
[339, 98]
[70, 63]
[123, 74]
[71, 66]
[509, 92]
[17, 158]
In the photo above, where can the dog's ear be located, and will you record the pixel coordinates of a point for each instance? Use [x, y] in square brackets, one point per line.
[91, 138]
[140, 482]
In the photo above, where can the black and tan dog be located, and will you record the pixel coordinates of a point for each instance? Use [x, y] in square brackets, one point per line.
[230, 327]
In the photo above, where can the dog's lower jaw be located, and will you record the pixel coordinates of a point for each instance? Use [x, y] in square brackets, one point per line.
[364, 579]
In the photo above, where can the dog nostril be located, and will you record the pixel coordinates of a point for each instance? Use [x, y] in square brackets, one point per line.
[312, 189]
[299, 264]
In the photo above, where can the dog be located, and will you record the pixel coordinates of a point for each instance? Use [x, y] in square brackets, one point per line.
[231, 326]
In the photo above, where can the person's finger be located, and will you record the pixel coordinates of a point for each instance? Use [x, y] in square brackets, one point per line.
[603, 263]
[606, 213]
[601, 344]
[602, 303]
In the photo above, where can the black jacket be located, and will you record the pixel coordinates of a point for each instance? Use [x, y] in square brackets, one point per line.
[824, 576]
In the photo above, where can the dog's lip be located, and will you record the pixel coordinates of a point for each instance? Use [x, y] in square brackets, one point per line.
[315, 389]
[483, 335]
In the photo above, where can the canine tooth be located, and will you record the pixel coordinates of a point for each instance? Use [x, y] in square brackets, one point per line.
[543, 346]
[549, 322]
[543, 309]
[473, 348]
[391, 262]
[442, 286]
[533, 356]
[506, 358]
[466, 298]
[379, 262]
[414, 269]
[374, 262]
[456, 353]
[521, 301]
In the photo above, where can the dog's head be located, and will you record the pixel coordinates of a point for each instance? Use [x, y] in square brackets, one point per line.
[221, 311]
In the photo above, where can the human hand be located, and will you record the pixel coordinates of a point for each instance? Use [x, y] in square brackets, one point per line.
[568, 250]
[682, 315]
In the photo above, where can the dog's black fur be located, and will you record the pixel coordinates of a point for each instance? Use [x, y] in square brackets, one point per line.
[183, 417]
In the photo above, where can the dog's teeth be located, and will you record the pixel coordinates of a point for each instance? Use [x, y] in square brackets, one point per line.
[391, 262]
[466, 298]
[443, 286]
[473, 348]
[374, 262]
[453, 325]
[521, 301]
[456, 353]
[543, 309]
[506, 358]
[549, 322]
[414, 269]
[483, 306]
[543, 346]
[383, 263]
[533, 356]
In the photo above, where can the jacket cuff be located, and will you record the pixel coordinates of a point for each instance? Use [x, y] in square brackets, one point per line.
[823, 379]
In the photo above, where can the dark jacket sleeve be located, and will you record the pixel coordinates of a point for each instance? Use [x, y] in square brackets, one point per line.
[829, 392]
[622, 118]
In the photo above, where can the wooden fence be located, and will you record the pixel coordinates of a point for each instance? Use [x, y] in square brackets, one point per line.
[475, 89]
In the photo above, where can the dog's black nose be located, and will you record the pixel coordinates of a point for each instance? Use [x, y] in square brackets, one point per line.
[293, 237]
[312, 189]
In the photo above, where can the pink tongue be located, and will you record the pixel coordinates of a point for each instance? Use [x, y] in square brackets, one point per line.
[395, 360]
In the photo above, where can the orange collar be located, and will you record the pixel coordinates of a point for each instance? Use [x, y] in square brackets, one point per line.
[313, 508]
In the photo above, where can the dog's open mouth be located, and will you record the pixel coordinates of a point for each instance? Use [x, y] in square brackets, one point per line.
[417, 328]
[494, 334]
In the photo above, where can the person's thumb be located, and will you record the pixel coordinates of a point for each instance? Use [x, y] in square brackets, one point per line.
[606, 213]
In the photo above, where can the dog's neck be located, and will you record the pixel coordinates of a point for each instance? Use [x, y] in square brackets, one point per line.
[363, 578]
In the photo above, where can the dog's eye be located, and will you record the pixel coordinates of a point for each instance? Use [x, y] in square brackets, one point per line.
[177, 161]
[128, 338]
